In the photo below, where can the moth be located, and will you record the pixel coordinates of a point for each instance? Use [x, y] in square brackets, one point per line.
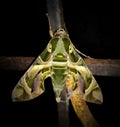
[63, 63]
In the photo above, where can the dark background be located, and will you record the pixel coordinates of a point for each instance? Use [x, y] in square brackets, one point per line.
[25, 32]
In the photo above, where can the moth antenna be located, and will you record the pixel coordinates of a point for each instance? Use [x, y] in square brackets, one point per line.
[83, 54]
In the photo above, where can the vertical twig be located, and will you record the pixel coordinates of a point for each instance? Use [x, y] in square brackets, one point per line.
[63, 114]
[56, 21]
[63, 110]
[55, 15]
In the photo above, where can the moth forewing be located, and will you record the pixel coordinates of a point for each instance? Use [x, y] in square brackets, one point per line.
[31, 84]
[90, 88]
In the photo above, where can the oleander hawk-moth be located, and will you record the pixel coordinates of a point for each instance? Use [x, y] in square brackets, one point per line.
[62, 62]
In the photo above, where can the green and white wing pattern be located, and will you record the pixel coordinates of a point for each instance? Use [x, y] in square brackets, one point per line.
[61, 61]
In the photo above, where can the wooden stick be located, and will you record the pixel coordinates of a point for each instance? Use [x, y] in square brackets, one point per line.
[82, 111]
[63, 114]
[99, 67]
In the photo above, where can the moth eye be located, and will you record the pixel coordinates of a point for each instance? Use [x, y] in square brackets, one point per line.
[49, 48]
[70, 49]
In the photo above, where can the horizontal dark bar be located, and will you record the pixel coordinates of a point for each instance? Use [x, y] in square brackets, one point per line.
[99, 67]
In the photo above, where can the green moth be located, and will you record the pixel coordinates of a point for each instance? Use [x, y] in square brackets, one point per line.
[60, 61]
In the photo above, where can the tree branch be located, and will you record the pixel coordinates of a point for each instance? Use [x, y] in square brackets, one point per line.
[99, 67]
